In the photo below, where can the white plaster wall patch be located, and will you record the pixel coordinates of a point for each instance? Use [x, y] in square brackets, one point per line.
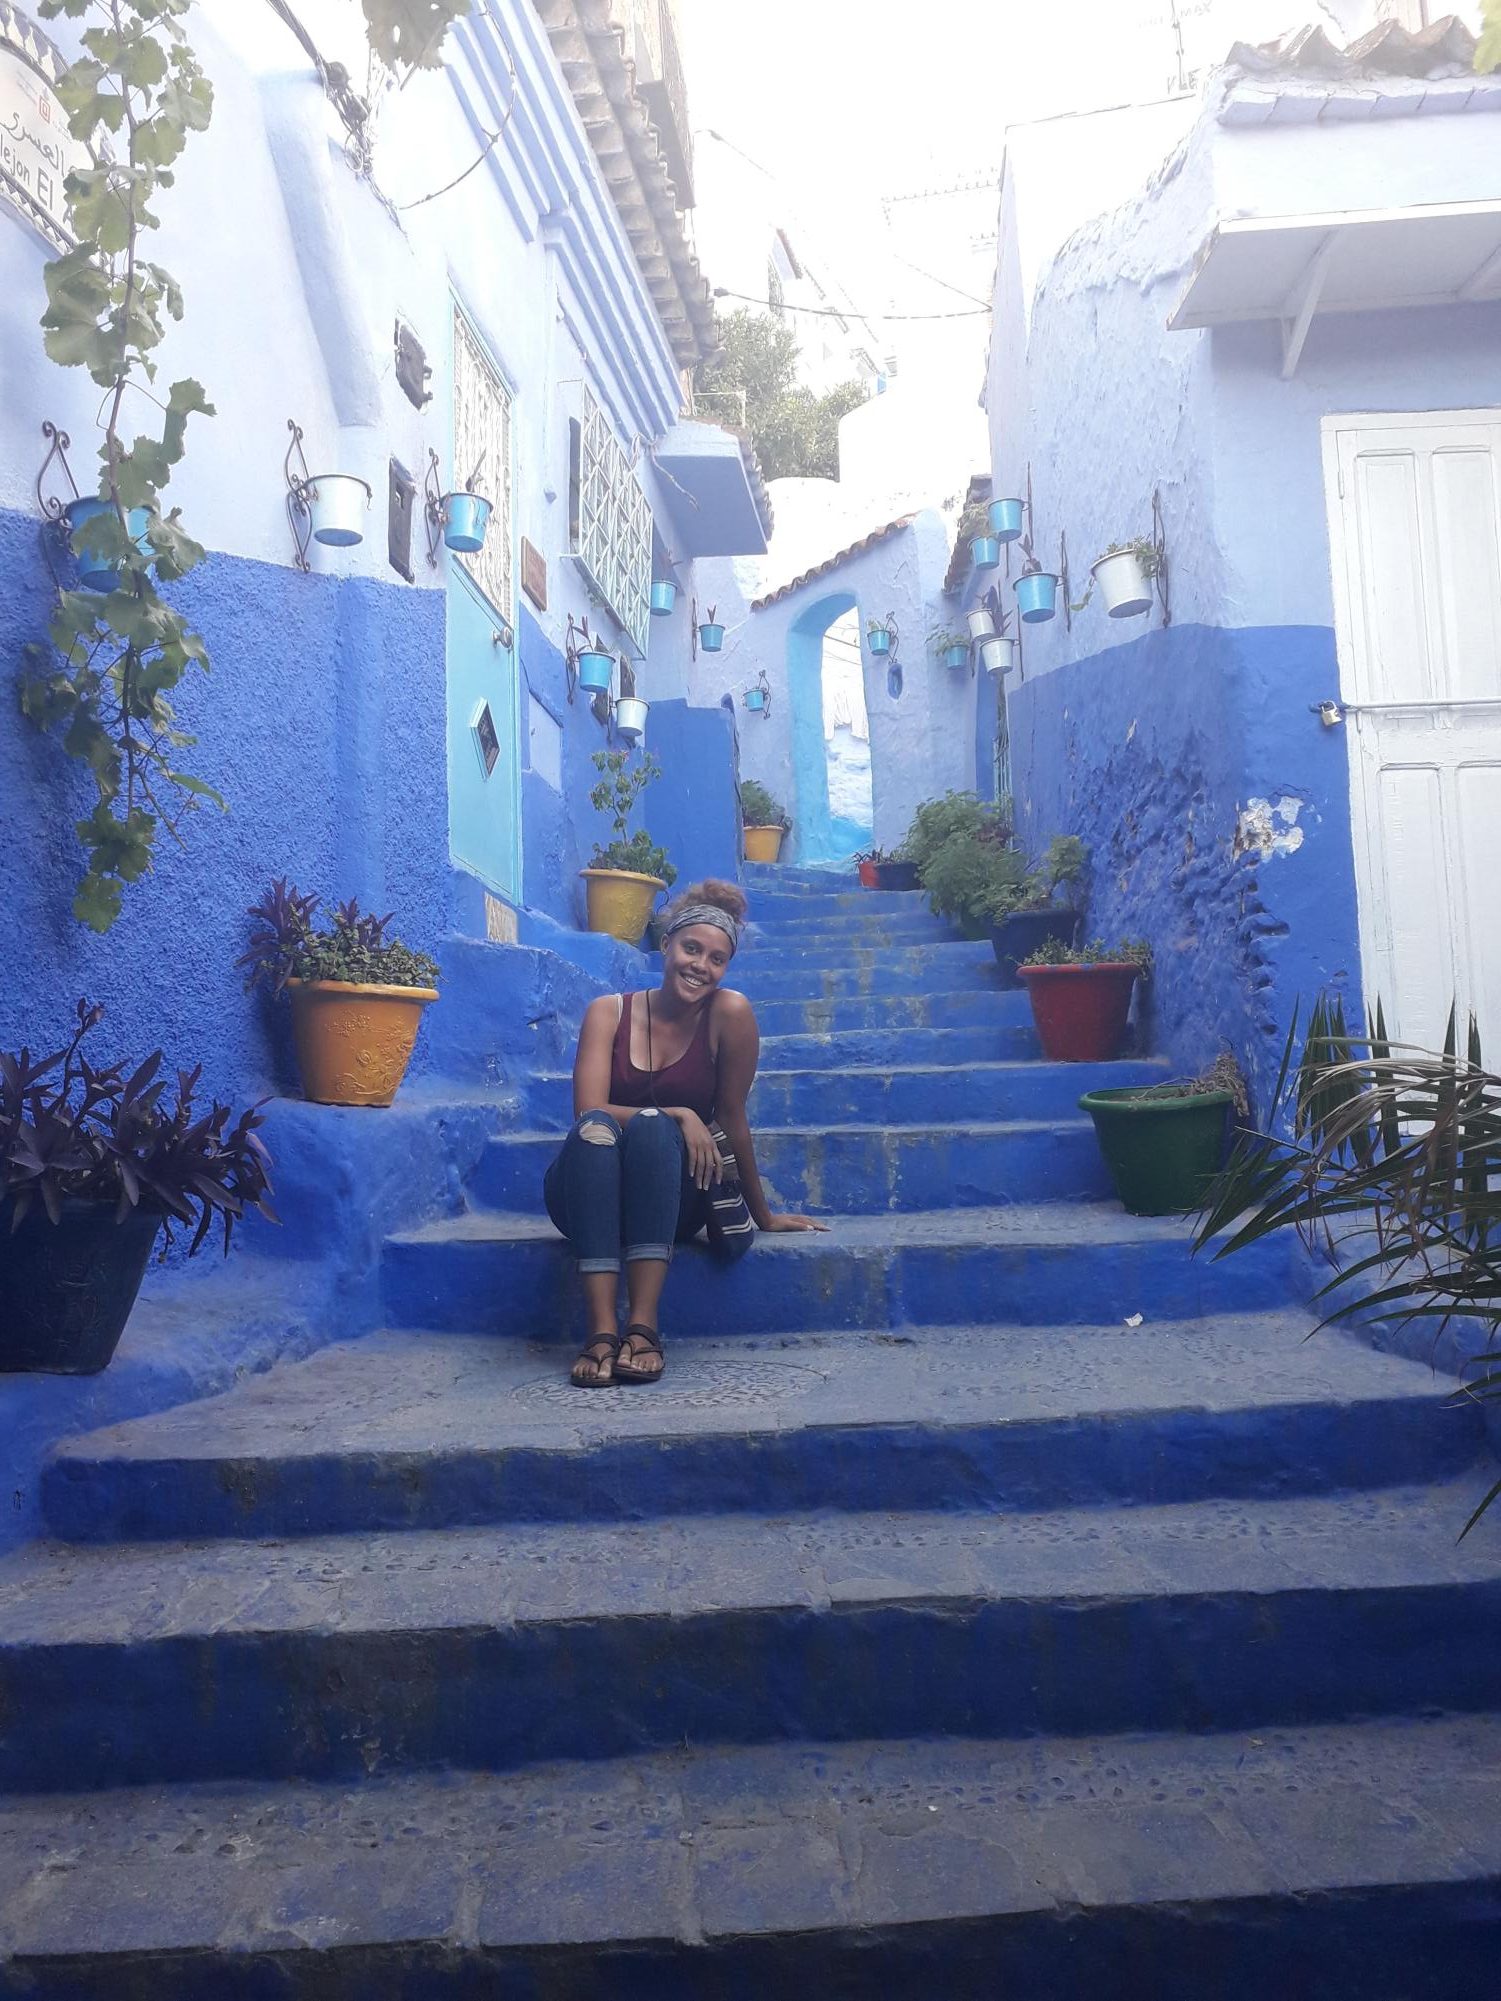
[1270, 826]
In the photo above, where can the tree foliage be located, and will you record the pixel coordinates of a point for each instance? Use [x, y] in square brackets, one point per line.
[113, 660]
[1488, 54]
[795, 432]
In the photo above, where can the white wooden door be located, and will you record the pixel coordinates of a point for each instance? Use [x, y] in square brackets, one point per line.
[1415, 520]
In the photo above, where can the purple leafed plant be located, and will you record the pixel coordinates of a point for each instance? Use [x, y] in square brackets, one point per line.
[68, 1129]
[285, 944]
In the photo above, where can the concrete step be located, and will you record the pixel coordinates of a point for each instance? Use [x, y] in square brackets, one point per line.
[1334, 1860]
[863, 1170]
[350, 1656]
[808, 904]
[858, 930]
[1008, 1015]
[801, 875]
[1063, 1264]
[898, 1047]
[896, 1097]
[793, 973]
[430, 1431]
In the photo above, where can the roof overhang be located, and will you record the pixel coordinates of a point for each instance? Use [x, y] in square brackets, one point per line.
[713, 490]
[1291, 268]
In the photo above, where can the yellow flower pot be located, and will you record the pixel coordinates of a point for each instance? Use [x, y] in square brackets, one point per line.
[763, 844]
[620, 901]
[354, 1042]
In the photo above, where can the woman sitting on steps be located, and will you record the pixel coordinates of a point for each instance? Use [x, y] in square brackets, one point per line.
[642, 1170]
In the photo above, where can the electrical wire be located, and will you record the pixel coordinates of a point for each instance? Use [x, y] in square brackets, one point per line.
[833, 313]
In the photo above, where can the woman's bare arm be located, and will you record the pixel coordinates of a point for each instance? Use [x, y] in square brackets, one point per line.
[739, 1053]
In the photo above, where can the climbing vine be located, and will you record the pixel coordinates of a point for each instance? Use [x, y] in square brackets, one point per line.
[409, 33]
[1488, 54]
[136, 93]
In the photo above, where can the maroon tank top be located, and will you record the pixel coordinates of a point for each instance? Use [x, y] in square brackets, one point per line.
[691, 1081]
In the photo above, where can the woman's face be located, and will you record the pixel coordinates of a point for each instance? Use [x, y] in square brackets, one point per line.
[694, 961]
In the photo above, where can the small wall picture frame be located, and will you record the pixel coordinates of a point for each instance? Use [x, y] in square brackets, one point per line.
[486, 737]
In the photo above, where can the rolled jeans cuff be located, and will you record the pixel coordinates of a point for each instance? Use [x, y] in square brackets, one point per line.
[599, 1264]
[636, 1253]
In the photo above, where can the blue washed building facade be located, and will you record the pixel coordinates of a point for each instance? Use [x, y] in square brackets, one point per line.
[1261, 329]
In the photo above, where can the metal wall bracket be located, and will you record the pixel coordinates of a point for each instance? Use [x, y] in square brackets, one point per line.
[299, 511]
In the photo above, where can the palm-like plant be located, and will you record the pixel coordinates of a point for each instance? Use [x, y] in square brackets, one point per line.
[1388, 1156]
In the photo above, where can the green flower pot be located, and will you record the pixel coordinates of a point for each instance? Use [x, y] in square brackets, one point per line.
[1163, 1153]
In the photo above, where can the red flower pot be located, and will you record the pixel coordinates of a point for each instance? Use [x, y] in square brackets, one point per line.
[867, 874]
[1080, 1011]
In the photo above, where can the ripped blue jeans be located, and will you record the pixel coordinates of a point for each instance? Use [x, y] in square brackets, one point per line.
[627, 1191]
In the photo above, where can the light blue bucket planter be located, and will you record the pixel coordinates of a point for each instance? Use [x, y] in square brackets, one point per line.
[880, 641]
[595, 670]
[1006, 520]
[1037, 596]
[956, 656]
[711, 637]
[466, 517]
[755, 698]
[94, 574]
[985, 552]
[664, 595]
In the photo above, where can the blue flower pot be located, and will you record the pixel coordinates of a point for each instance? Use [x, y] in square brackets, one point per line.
[956, 656]
[711, 637]
[755, 698]
[595, 670]
[93, 572]
[466, 516]
[879, 641]
[985, 552]
[1036, 596]
[1006, 519]
[664, 595]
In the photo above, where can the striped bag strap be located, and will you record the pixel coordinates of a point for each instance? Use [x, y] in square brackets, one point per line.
[730, 1226]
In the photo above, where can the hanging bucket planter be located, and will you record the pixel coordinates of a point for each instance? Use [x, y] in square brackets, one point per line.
[1123, 584]
[956, 656]
[1163, 1151]
[630, 718]
[94, 573]
[981, 624]
[664, 595]
[595, 669]
[755, 699]
[466, 517]
[1080, 1011]
[998, 654]
[985, 552]
[879, 641]
[1036, 596]
[711, 638]
[1006, 519]
[337, 503]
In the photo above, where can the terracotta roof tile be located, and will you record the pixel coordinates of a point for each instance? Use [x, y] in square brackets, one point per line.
[1446, 48]
[876, 535]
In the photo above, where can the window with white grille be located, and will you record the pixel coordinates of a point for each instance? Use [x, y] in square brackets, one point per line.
[612, 525]
[482, 456]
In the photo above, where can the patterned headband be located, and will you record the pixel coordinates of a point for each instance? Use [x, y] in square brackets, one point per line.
[707, 913]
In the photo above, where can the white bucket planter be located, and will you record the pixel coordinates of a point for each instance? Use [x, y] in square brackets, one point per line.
[337, 503]
[630, 717]
[999, 655]
[981, 624]
[1123, 584]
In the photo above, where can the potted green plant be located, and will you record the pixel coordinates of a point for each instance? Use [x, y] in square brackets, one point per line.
[627, 873]
[866, 864]
[950, 646]
[958, 847]
[1164, 1143]
[357, 996]
[974, 528]
[1124, 575]
[766, 821]
[1029, 914]
[94, 1165]
[878, 634]
[466, 514]
[1081, 996]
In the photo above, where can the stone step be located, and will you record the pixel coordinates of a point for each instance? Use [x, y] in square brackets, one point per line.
[430, 1431]
[856, 929]
[889, 1096]
[1069, 1263]
[863, 1170]
[808, 905]
[899, 1048]
[1338, 1860]
[350, 1656]
[801, 875]
[951, 967]
[1009, 1015]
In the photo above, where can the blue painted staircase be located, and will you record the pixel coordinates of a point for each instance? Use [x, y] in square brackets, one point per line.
[937, 1626]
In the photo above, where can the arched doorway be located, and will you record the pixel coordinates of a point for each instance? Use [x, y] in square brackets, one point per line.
[832, 807]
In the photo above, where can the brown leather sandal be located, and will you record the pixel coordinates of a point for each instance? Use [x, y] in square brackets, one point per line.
[650, 1344]
[602, 1352]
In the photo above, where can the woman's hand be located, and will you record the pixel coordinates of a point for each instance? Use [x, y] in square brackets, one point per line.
[780, 1225]
[703, 1155]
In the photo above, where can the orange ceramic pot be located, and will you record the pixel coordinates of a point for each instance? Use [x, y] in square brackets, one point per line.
[763, 844]
[620, 901]
[354, 1042]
